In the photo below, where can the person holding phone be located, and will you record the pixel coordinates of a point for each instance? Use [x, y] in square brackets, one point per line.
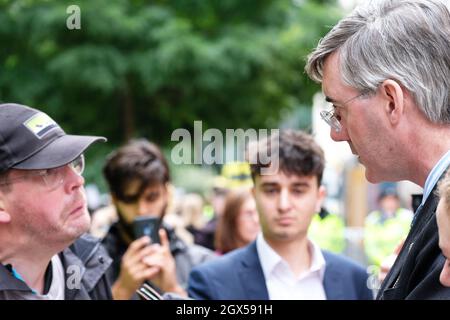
[138, 178]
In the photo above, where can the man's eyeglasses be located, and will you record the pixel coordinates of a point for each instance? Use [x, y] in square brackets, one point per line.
[329, 116]
[52, 178]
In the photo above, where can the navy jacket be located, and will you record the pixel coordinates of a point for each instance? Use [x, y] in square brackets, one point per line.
[238, 275]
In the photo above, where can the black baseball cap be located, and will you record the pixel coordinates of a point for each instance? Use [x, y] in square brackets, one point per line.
[30, 140]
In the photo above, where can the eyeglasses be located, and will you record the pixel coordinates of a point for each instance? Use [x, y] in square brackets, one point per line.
[329, 116]
[53, 178]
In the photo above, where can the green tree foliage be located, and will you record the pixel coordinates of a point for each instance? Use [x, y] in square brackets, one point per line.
[145, 68]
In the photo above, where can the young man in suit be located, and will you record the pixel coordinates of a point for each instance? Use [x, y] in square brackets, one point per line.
[283, 263]
[386, 69]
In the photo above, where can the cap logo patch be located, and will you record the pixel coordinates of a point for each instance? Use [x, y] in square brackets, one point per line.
[40, 124]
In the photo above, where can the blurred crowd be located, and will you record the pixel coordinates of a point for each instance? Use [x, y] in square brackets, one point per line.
[201, 227]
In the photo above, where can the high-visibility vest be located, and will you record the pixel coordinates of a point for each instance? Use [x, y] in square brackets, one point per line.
[382, 236]
[328, 232]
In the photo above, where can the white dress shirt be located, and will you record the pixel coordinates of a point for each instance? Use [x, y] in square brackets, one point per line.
[282, 283]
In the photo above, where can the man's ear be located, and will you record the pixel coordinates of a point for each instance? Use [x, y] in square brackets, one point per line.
[5, 217]
[322, 193]
[393, 95]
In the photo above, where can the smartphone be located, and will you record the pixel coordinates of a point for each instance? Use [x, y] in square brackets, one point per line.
[147, 226]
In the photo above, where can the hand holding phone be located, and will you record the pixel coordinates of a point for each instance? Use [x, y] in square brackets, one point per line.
[147, 226]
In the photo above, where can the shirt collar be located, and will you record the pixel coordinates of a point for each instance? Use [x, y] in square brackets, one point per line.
[318, 261]
[435, 174]
[9, 281]
[269, 259]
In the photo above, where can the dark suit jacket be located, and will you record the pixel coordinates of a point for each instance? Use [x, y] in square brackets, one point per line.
[415, 273]
[238, 276]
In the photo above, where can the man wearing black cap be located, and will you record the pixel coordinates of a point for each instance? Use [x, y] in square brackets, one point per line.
[43, 212]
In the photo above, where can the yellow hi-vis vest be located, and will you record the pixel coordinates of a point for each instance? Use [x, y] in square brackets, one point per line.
[328, 233]
[382, 237]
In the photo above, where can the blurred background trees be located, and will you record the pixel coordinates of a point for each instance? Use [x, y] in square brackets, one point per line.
[144, 68]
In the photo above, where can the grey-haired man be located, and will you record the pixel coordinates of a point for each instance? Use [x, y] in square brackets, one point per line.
[43, 212]
[386, 70]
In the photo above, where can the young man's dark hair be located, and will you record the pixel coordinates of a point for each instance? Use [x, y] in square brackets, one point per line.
[139, 160]
[298, 154]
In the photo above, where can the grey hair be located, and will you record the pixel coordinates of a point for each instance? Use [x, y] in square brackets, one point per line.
[404, 40]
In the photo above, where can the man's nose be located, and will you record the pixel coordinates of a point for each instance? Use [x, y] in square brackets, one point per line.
[142, 208]
[341, 135]
[74, 180]
[284, 203]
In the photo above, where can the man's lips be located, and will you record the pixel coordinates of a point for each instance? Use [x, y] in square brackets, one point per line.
[285, 220]
[78, 207]
[78, 203]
